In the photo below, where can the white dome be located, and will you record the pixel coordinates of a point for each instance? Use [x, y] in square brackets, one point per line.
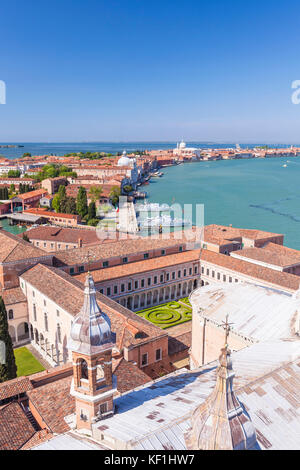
[124, 160]
[182, 145]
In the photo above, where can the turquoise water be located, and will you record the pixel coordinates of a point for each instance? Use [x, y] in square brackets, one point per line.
[255, 193]
[11, 228]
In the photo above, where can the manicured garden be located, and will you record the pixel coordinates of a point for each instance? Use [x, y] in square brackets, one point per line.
[167, 315]
[26, 363]
[186, 301]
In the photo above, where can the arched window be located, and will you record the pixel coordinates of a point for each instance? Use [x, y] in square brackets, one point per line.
[46, 321]
[10, 314]
[84, 374]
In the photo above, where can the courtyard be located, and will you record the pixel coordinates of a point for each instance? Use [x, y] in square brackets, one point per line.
[26, 363]
[168, 314]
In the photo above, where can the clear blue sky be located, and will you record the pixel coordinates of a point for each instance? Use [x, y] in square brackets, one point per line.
[149, 70]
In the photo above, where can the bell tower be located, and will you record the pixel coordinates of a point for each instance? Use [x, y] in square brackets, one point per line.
[91, 344]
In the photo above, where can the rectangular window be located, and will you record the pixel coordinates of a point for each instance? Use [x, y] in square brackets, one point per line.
[202, 269]
[136, 284]
[122, 287]
[173, 275]
[158, 354]
[81, 269]
[105, 264]
[196, 269]
[179, 274]
[108, 290]
[190, 271]
[213, 273]
[72, 270]
[115, 289]
[144, 359]
[146, 255]
[155, 280]
[149, 281]
[143, 283]
[163, 252]
[103, 408]
[34, 312]
[184, 273]
[129, 285]
[168, 276]
[161, 278]
[230, 279]
[125, 260]
[180, 248]
[218, 276]
[224, 277]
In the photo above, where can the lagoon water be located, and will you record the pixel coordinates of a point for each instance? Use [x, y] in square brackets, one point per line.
[254, 193]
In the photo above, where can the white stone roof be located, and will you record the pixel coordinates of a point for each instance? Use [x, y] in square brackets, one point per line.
[157, 416]
[256, 312]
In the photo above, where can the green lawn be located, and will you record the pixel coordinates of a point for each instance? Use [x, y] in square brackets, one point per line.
[167, 315]
[26, 363]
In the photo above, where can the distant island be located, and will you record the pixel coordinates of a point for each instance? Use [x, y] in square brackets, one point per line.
[11, 146]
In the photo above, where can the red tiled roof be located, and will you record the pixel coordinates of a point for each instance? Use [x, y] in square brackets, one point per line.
[36, 193]
[13, 296]
[45, 213]
[15, 428]
[273, 254]
[67, 235]
[277, 278]
[13, 248]
[116, 272]
[14, 387]
[67, 292]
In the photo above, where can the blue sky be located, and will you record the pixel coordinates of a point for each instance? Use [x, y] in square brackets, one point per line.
[116, 70]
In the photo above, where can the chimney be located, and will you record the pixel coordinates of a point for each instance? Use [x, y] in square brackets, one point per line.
[79, 242]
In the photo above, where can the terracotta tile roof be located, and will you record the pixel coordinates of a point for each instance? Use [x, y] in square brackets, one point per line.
[45, 213]
[129, 269]
[277, 278]
[14, 387]
[13, 296]
[67, 292]
[67, 235]
[118, 249]
[15, 428]
[40, 436]
[13, 248]
[36, 193]
[53, 402]
[128, 375]
[221, 234]
[281, 256]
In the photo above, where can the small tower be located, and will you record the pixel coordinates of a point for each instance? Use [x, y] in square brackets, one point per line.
[93, 384]
[220, 422]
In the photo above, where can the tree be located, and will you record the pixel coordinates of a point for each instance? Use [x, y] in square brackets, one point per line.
[127, 188]
[56, 203]
[81, 202]
[114, 195]
[26, 154]
[92, 211]
[8, 370]
[25, 237]
[95, 193]
[14, 174]
[71, 206]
